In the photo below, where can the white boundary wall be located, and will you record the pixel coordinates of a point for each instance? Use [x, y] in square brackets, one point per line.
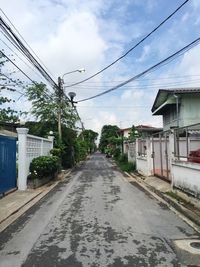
[30, 147]
[185, 175]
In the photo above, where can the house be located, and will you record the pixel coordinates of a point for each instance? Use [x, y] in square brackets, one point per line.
[174, 154]
[179, 106]
[144, 131]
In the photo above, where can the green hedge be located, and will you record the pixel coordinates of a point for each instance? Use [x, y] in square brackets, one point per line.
[44, 166]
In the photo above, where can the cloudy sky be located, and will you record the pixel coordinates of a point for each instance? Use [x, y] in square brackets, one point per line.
[71, 34]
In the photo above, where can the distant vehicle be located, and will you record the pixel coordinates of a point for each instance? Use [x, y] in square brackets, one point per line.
[194, 156]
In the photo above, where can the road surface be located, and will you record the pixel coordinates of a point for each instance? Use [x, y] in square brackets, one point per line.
[96, 219]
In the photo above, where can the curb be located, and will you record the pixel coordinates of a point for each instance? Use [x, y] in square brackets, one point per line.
[186, 214]
[15, 211]
[21, 210]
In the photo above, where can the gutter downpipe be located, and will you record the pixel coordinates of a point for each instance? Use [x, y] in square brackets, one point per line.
[177, 125]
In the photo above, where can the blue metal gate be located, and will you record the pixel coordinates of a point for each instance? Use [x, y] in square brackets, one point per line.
[7, 163]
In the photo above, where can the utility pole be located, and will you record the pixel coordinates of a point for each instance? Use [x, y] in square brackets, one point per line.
[60, 94]
[60, 99]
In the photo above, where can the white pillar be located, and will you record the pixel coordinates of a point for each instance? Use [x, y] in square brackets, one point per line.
[149, 156]
[41, 147]
[22, 160]
[51, 138]
[171, 155]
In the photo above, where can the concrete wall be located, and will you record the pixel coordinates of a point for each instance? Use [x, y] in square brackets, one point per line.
[132, 152]
[30, 147]
[142, 166]
[186, 176]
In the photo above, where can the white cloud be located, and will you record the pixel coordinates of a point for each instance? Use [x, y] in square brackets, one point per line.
[69, 34]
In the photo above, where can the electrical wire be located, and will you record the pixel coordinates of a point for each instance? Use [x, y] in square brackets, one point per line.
[16, 40]
[19, 57]
[24, 40]
[132, 48]
[18, 67]
[149, 70]
[148, 79]
[142, 86]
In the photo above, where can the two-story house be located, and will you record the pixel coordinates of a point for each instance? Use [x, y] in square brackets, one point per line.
[178, 106]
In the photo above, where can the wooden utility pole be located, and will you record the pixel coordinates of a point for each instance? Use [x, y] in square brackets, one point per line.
[60, 94]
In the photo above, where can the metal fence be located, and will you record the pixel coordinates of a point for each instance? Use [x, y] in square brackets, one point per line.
[160, 154]
[187, 143]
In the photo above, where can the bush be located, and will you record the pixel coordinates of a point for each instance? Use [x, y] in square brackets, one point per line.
[116, 153]
[123, 158]
[124, 165]
[44, 166]
[56, 152]
[127, 167]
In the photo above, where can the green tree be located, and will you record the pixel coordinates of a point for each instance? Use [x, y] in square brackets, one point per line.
[7, 113]
[110, 138]
[90, 138]
[133, 134]
[45, 106]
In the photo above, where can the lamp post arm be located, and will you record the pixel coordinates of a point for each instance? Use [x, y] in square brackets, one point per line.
[79, 70]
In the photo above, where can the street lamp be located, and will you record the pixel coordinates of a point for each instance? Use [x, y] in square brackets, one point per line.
[79, 70]
[72, 95]
[60, 95]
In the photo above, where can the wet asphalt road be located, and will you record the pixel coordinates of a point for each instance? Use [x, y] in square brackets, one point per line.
[96, 219]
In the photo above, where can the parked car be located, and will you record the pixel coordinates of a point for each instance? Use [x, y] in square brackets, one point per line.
[194, 156]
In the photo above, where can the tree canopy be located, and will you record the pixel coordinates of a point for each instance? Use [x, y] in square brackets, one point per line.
[45, 105]
[8, 85]
[110, 135]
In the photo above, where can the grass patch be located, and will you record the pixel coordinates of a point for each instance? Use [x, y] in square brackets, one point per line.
[124, 165]
[173, 195]
[178, 198]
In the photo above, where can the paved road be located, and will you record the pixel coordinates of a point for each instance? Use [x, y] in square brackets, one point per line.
[97, 219]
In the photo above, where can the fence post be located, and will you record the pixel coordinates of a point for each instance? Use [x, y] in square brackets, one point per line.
[171, 154]
[22, 160]
[149, 152]
[51, 138]
[41, 147]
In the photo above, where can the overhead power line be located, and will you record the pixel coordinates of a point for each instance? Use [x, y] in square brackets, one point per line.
[148, 79]
[132, 48]
[152, 85]
[21, 47]
[17, 67]
[19, 56]
[24, 40]
[152, 68]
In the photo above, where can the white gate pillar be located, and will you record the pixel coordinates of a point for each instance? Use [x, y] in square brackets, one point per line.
[51, 138]
[171, 154]
[149, 152]
[22, 160]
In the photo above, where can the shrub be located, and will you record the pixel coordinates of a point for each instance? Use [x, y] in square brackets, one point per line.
[116, 153]
[127, 167]
[56, 152]
[44, 166]
[123, 158]
[124, 165]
